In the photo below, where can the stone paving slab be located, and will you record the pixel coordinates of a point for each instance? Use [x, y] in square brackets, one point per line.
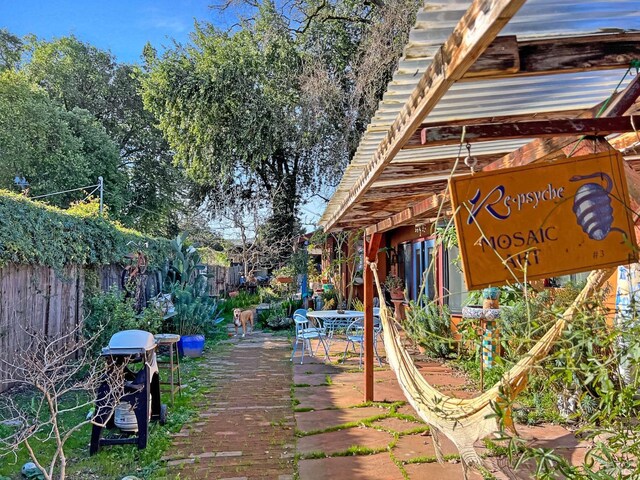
[366, 467]
[407, 410]
[322, 419]
[436, 471]
[388, 391]
[398, 425]
[444, 380]
[339, 441]
[314, 368]
[310, 379]
[333, 396]
[414, 446]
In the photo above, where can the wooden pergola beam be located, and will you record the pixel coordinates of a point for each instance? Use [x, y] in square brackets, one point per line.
[508, 57]
[448, 135]
[546, 148]
[416, 142]
[475, 31]
[429, 204]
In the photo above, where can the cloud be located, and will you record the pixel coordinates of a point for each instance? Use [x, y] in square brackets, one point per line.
[171, 24]
[158, 19]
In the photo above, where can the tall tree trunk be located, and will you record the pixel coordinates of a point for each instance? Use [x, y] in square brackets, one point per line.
[283, 225]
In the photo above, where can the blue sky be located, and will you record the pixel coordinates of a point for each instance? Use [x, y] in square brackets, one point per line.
[121, 26]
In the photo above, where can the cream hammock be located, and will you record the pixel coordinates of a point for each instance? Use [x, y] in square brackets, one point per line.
[464, 421]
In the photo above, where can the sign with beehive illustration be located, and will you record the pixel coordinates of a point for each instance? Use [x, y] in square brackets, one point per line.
[543, 220]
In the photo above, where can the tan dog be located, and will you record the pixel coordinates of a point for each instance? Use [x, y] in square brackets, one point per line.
[242, 317]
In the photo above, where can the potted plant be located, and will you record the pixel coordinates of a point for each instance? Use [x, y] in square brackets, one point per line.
[395, 285]
[284, 274]
[194, 315]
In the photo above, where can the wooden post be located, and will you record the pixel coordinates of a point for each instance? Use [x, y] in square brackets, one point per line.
[371, 253]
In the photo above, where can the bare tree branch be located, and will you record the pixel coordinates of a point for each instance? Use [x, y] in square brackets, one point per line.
[62, 377]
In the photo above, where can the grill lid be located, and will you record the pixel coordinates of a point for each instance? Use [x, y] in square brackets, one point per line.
[131, 341]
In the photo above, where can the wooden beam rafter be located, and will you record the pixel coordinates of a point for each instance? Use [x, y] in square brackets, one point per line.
[507, 57]
[446, 135]
[416, 139]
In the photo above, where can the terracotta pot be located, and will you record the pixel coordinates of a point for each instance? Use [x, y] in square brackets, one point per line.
[284, 279]
[397, 294]
[490, 303]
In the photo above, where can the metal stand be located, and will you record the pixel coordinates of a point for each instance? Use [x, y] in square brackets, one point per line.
[137, 392]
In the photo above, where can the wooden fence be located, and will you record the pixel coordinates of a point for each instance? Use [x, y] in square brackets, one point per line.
[36, 299]
[217, 279]
[39, 299]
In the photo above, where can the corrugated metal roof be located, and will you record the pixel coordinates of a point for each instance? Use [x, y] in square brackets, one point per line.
[484, 98]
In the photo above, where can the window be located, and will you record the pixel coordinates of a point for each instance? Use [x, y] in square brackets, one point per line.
[406, 266]
[455, 290]
[574, 278]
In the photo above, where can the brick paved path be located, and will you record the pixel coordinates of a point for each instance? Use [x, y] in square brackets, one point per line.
[246, 426]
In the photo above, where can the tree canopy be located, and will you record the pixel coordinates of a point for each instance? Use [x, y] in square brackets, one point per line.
[92, 105]
[266, 111]
[77, 74]
[261, 116]
[55, 149]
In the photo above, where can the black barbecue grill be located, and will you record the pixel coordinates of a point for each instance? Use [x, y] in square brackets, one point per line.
[141, 400]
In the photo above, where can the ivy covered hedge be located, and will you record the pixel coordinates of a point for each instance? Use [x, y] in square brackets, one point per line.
[34, 233]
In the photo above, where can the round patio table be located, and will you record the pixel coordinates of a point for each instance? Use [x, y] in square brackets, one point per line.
[331, 320]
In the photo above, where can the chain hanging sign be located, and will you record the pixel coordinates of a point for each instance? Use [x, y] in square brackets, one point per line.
[543, 220]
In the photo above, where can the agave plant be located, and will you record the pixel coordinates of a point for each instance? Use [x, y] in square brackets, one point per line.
[195, 314]
[187, 263]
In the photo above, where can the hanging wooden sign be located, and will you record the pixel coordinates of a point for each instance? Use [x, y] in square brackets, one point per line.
[543, 220]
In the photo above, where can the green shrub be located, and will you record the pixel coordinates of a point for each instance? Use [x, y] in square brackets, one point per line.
[277, 317]
[195, 314]
[267, 294]
[429, 326]
[291, 305]
[242, 300]
[329, 296]
[108, 313]
[34, 233]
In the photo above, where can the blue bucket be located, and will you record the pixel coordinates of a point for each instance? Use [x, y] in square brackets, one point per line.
[191, 345]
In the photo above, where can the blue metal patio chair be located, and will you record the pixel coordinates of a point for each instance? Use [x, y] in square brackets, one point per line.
[305, 333]
[300, 311]
[355, 334]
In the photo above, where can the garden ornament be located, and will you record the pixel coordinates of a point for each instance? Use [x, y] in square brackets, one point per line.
[29, 470]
